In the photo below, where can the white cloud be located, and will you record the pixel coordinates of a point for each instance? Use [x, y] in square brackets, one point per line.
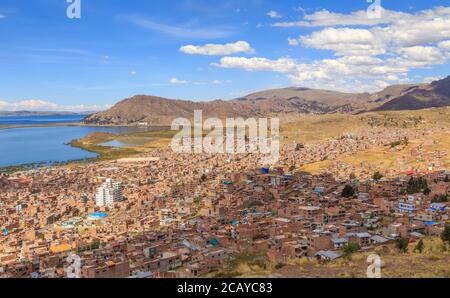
[177, 81]
[431, 79]
[133, 73]
[344, 41]
[421, 54]
[274, 15]
[400, 29]
[183, 30]
[37, 104]
[445, 45]
[430, 28]
[325, 18]
[293, 42]
[392, 78]
[2, 16]
[349, 73]
[43, 105]
[218, 49]
[213, 82]
[283, 65]
[369, 54]
[219, 82]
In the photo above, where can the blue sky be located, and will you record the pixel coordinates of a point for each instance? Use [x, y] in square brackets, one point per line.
[122, 48]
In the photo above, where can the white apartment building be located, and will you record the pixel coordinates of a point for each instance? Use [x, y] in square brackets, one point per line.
[109, 193]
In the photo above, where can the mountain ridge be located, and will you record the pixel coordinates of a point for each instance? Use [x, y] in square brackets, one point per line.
[39, 113]
[287, 102]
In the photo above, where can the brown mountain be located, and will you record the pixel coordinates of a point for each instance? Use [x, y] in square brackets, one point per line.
[158, 110]
[289, 102]
[436, 94]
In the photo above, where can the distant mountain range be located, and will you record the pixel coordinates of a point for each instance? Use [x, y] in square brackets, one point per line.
[288, 102]
[38, 113]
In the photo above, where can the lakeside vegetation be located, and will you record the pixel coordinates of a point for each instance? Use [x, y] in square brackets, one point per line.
[93, 143]
[24, 167]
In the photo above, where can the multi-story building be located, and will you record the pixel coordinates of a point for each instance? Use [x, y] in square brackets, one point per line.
[109, 193]
[407, 207]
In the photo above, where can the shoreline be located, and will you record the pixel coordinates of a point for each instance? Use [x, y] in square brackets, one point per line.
[93, 146]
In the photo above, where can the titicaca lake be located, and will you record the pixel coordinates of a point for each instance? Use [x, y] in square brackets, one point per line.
[48, 144]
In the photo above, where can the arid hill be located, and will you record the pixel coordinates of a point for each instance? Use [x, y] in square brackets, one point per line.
[287, 102]
[434, 95]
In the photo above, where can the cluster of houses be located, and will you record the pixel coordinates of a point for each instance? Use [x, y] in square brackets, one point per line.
[286, 215]
[181, 215]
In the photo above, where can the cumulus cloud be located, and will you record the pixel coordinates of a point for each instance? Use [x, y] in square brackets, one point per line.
[431, 79]
[445, 45]
[274, 15]
[283, 65]
[400, 29]
[368, 52]
[43, 105]
[218, 49]
[421, 54]
[176, 81]
[344, 41]
[325, 18]
[349, 73]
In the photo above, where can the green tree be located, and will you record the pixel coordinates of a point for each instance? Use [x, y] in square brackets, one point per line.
[402, 245]
[95, 244]
[377, 176]
[445, 236]
[348, 191]
[349, 249]
[75, 212]
[420, 247]
[443, 198]
[416, 185]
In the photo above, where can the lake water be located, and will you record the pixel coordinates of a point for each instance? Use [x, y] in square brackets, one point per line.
[132, 143]
[31, 145]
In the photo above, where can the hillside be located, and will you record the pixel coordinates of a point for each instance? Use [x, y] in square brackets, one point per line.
[288, 102]
[432, 262]
[158, 110]
[436, 94]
